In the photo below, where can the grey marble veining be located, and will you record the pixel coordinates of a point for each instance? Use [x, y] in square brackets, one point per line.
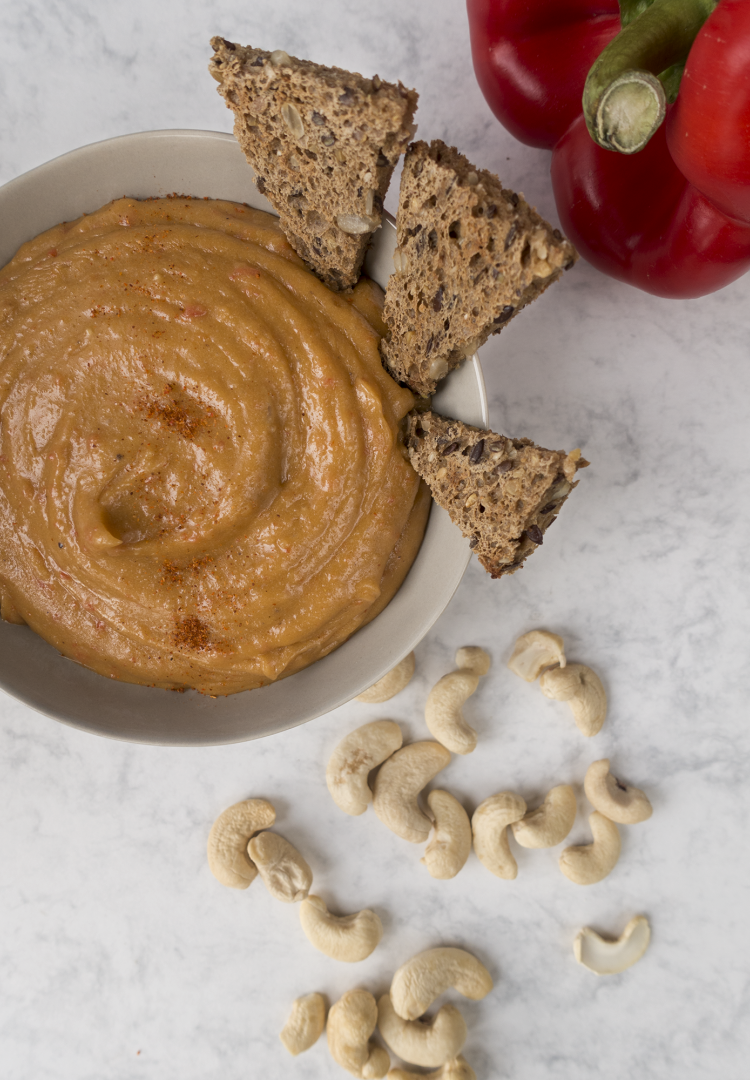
[120, 955]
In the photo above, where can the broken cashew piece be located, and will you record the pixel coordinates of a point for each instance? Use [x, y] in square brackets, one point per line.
[620, 803]
[589, 863]
[354, 758]
[458, 1069]
[285, 873]
[443, 709]
[422, 1042]
[398, 784]
[490, 828]
[392, 683]
[342, 937]
[427, 975]
[606, 957]
[583, 691]
[351, 1022]
[535, 651]
[450, 845]
[305, 1025]
[227, 842]
[550, 823]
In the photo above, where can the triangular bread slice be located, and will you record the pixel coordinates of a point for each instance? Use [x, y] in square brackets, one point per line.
[323, 144]
[502, 493]
[470, 255]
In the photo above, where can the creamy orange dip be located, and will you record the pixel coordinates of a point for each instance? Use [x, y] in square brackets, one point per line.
[202, 482]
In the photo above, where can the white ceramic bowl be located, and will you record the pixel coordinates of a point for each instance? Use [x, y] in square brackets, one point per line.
[211, 163]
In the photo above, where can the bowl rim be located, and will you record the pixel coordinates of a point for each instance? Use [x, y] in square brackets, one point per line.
[381, 248]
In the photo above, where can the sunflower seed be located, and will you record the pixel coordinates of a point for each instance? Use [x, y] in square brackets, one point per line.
[293, 120]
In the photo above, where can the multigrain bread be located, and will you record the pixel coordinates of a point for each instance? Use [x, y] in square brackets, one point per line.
[323, 143]
[502, 493]
[470, 255]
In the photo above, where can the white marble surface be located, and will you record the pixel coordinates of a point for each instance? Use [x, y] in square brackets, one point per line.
[121, 957]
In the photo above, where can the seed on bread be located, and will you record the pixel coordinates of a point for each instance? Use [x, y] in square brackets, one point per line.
[322, 142]
[502, 493]
[470, 255]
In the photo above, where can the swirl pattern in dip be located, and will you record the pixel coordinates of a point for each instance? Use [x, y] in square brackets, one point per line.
[202, 482]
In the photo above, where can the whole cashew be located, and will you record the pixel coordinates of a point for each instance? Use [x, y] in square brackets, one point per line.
[535, 651]
[351, 1022]
[392, 683]
[342, 937]
[227, 841]
[354, 758]
[398, 784]
[285, 873]
[490, 828]
[606, 957]
[618, 802]
[443, 709]
[589, 863]
[550, 823]
[583, 691]
[422, 1042]
[420, 980]
[449, 848]
[458, 1069]
[305, 1024]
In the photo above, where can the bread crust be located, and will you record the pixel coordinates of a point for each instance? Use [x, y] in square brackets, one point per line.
[470, 255]
[322, 142]
[502, 493]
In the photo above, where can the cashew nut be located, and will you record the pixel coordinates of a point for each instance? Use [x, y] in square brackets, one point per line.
[342, 937]
[351, 1022]
[606, 957]
[620, 803]
[285, 873]
[398, 784]
[535, 651]
[589, 863]
[583, 691]
[490, 828]
[422, 1042]
[392, 683]
[449, 848]
[354, 758]
[550, 823]
[227, 841]
[443, 709]
[458, 1069]
[305, 1024]
[420, 980]
[472, 658]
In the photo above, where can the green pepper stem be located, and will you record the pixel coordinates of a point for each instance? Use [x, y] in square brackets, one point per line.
[631, 9]
[623, 101]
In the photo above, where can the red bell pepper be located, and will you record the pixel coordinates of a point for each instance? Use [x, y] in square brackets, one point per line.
[708, 133]
[673, 217]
